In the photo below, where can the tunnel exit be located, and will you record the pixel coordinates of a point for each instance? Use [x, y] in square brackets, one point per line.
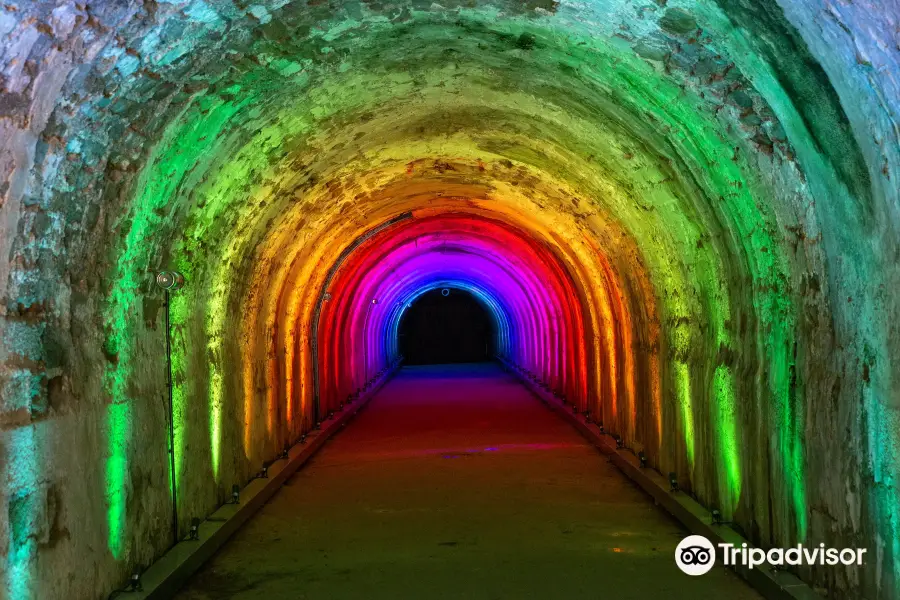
[446, 326]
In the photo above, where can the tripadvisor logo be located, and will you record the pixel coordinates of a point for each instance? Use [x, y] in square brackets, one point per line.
[696, 555]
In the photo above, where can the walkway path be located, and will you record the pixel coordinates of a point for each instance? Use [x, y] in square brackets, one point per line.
[456, 483]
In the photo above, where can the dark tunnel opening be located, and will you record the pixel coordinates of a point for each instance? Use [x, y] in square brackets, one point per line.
[445, 326]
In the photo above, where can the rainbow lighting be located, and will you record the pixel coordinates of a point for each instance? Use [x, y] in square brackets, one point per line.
[682, 217]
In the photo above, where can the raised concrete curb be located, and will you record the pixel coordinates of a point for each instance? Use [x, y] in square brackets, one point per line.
[167, 575]
[771, 583]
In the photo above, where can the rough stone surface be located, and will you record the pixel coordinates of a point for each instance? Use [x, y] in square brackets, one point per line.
[727, 170]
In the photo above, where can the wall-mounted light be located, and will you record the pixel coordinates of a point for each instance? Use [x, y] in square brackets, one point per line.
[170, 280]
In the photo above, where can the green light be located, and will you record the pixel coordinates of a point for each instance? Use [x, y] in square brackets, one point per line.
[215, 419]
[726, 430]
[179, 315]
[118, 426]
[683, 391]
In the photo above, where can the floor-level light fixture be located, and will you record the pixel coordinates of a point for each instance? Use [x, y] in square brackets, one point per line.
[171, 281]
[195, 529]
[136, 584]
[673, 482]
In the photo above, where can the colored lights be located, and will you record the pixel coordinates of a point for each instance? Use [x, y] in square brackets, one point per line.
[505, 271]
[683, 389]
[726, 430]
[22, 511]
[627, 225]
[681, 218]
[118, 427]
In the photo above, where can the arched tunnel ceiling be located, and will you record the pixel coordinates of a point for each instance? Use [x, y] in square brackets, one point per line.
[717, 181]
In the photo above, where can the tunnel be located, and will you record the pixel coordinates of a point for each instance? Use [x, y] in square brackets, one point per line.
[226, 222]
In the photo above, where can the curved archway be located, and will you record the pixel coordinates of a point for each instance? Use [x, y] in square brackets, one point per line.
[687, 214]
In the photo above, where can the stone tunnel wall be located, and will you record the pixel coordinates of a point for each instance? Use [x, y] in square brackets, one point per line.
[736, 161]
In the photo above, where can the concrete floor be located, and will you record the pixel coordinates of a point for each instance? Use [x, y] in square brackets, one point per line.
[456, 483]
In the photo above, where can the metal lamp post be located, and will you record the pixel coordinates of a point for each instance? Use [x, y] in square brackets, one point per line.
[171, 281]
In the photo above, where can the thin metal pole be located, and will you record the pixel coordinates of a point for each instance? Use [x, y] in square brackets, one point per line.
[317, 385]
[170, 385]
[366, 345]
